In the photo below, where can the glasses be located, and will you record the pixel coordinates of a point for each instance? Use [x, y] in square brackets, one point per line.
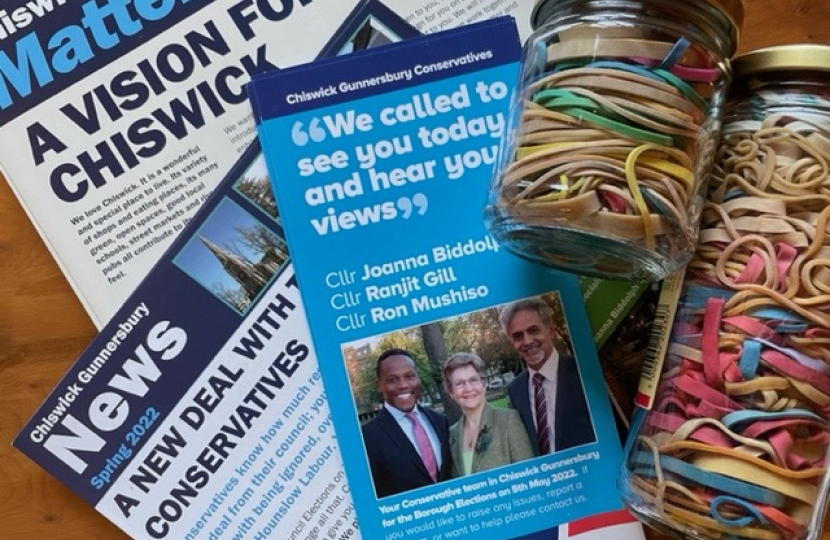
[461, 383]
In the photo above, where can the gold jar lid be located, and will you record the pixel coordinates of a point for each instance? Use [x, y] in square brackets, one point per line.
[783, 58]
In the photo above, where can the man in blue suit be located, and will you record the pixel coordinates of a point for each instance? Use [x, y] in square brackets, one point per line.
[548, 393]
[407, 444]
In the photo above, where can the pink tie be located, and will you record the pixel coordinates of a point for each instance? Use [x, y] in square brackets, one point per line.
[424, 446]
[541, 402]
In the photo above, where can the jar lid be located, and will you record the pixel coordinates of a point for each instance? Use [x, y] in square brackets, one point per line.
[783, 58]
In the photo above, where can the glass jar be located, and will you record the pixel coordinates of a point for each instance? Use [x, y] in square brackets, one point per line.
[736, 442]
[612, 132]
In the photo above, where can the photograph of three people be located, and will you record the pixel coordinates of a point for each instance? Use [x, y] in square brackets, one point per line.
[468, 394]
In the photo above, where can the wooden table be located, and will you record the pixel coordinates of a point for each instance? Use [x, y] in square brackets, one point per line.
[43, 327]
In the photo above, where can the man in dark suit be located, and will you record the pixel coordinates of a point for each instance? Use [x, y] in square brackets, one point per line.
[407, 444]
[548, 393]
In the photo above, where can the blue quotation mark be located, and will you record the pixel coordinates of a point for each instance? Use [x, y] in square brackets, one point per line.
[418, 202]
[300, 136]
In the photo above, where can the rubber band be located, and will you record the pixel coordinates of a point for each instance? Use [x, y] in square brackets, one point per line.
[750, 359]
[709, 342]
[662, 206]
[676, 53]
[685, 505]
[632, 132]
[629, 85]
[633, 185]
[716, 481]
[609, 48]
[633, 68]
[803, 359]
[685, 447]
[733, 419]
[656, 119]
[696, 295]
[681, 85]
[736, 469]
[687, 73]
[755, 516]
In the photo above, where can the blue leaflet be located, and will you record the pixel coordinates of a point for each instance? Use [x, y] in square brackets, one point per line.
[381, 163]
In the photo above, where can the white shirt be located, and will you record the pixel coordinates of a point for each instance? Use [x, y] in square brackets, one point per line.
[549, 371]
[407, 427]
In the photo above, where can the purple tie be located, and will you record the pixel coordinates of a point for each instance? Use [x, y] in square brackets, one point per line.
[542, 430]
[424, 446]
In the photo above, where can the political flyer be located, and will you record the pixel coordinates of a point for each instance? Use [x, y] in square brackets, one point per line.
[198, 412]
[380, 163]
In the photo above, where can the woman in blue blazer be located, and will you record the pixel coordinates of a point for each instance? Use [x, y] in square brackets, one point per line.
[485, 437]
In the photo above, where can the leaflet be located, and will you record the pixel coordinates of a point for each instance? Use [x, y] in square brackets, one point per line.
[119, 118]
[380, 164]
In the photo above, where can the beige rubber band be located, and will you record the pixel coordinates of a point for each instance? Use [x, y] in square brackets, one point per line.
[614, 48]
[703, 448]
[751, 472]
[688, 427]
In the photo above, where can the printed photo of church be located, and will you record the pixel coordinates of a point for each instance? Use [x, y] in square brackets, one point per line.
[255, 185]
[233, 255]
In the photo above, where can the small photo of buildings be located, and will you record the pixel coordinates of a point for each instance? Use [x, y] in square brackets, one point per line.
[233, 255]
[255, 185]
